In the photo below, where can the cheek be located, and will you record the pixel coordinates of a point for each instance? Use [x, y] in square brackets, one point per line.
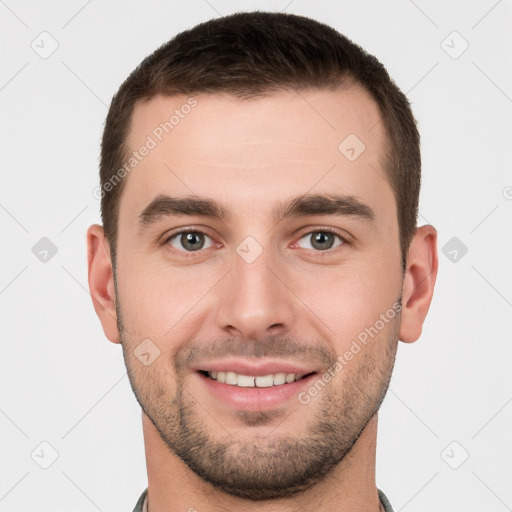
[351, 298]
[157, 298]
[154, 384]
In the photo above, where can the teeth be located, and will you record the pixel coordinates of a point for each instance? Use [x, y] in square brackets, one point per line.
[231, 378]
[262, 381]
[279, 378]
[265, 381]
[243, 380]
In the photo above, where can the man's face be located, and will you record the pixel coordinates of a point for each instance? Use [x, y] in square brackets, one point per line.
[264, 290]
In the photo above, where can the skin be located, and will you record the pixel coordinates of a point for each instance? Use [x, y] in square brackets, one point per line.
[250, 155]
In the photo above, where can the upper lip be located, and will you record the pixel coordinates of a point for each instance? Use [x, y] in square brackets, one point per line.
[254, 369]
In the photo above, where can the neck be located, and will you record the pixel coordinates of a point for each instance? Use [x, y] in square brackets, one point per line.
[172, 485]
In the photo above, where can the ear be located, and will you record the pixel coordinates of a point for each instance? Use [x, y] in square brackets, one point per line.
[101, 281]
[419, 280]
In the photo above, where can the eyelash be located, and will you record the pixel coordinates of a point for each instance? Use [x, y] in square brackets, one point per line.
[318, 230]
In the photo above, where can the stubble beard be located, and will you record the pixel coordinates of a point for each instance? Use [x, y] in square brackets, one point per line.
[276, 465]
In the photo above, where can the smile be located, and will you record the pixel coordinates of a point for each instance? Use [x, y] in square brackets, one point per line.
[251, 381]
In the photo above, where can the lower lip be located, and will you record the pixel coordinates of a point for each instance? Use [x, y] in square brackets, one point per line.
[255, 399]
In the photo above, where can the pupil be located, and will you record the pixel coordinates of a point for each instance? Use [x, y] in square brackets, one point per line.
[192, 241]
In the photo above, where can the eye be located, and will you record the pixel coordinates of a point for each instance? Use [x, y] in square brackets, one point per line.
[190, 241]
[321, 240]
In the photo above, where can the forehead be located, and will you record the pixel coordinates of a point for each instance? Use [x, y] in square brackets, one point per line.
[254, 150]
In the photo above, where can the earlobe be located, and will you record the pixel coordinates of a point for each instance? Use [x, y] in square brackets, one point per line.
[101, 281]
[419, 280]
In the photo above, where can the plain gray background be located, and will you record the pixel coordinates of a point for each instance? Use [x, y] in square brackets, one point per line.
[444, 441]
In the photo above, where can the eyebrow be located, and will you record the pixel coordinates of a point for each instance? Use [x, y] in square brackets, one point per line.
[305, 205]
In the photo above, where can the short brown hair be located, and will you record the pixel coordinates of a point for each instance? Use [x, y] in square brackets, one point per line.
[249, 55]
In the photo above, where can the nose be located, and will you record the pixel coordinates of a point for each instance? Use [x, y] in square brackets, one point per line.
[253, 300]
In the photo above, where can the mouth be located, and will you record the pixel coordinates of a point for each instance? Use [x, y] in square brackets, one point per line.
[252, 388]
[254, 381]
